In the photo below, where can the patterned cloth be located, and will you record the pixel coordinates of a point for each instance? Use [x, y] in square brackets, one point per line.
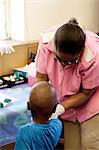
[14, 114]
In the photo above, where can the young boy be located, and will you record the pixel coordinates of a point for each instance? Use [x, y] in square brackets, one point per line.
[42, 133]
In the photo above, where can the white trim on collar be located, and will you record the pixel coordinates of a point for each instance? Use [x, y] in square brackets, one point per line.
[47, 36]
[88, 56]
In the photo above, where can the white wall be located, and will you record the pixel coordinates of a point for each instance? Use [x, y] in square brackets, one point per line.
[41, 14]
[17, 19]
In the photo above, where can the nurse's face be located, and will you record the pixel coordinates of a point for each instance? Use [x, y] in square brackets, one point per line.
[67, 59]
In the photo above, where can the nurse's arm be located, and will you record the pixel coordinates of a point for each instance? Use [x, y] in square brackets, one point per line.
[78, 99]
[41, 77]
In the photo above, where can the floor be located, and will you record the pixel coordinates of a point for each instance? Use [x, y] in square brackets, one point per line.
[11, 146]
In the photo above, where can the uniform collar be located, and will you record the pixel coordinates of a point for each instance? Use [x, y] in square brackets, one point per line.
[88, 56]
[47, 37]
[48, 41]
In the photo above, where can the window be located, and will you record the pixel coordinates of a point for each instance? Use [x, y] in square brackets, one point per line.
[11, 20]
[2, 19]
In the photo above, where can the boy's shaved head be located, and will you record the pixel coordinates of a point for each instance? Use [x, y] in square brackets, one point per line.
[42, 99]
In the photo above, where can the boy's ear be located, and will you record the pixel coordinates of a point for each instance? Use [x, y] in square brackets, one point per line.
[28, 105]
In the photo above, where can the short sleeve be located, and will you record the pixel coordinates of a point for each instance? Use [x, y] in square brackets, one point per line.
[90, 76]
[41, 59]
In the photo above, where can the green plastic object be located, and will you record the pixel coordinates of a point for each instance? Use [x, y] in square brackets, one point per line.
[1, 105]
[7, 100]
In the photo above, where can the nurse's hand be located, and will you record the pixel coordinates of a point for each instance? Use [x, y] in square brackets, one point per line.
[59, 111]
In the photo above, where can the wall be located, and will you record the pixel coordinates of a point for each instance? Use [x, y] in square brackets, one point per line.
[17, 19]
[41, 14]
[19, 58]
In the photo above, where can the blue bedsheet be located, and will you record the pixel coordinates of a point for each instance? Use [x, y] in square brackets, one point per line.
[15, 114]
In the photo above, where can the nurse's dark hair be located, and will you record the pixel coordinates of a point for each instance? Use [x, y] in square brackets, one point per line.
[70, 38]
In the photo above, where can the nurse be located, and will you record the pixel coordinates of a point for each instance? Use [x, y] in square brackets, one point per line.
[68, 57]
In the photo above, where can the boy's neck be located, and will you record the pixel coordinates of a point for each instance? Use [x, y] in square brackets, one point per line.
[40, 120]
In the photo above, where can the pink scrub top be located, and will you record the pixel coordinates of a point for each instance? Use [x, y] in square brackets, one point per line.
[67, 80]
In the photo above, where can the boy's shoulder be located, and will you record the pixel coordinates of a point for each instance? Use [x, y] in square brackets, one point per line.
[30, 126]
[25, 127]
[56, 122]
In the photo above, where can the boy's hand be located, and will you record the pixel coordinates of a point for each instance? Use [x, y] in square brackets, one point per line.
[59, 110]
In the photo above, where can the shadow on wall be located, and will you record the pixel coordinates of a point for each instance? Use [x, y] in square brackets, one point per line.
[97, 9]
